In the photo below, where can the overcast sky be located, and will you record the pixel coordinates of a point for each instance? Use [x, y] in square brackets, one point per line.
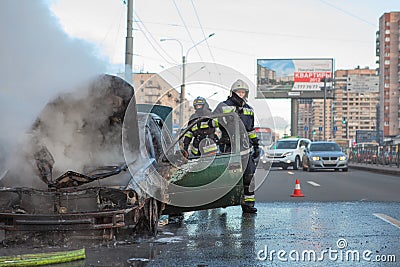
[244, 32]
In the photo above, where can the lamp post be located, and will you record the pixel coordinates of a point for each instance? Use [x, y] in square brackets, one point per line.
[184, 57]
[325, 80]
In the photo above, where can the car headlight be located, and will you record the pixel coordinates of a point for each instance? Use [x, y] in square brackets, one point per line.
[288, 154]
[342, 158]
[315, 158]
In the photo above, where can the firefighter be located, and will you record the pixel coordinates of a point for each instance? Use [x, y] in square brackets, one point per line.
[202, 134]
[236, 102]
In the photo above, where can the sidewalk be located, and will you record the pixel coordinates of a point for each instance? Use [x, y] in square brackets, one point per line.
[386, 169]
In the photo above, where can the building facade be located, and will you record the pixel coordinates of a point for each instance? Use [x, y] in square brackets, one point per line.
[388, 53]
[356, 99]
[150, 88]
[305, 123]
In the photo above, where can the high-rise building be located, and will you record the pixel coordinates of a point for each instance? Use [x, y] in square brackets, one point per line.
[305, 124]
[318, 119]
[355, 102]
[354, 107]
[388, 53]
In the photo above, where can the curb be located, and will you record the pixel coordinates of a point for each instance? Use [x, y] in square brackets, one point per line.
[372, 169]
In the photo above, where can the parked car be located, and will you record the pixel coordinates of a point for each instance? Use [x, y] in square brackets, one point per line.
[324, 155]
[286, 153]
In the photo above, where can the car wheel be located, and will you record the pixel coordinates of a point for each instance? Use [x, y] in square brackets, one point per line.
[296, 163]
[345, 169]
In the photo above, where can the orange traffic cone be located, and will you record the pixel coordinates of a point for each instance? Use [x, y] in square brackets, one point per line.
[297, 190]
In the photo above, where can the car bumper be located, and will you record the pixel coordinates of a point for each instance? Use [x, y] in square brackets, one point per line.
[328, 164]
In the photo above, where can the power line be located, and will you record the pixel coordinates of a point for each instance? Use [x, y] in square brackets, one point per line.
[205, 37]
[261, 33]
[187, 30]
[348, 13]
[155, 49]
[154, 40]
[202, 30]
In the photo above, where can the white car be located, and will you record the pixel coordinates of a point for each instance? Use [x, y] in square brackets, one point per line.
[286, 153]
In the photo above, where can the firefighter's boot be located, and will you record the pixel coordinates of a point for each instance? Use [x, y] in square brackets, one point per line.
[248, 207]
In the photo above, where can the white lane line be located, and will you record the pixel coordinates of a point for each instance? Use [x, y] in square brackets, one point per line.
[388, 219]
[290, 172]
[313, 183]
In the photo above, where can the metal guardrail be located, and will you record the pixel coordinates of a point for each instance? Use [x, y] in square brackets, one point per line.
[387, 155]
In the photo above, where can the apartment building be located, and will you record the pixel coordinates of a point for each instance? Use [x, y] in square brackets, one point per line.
[388, 53]
[318, 119]
[356, 98]
[305, 122]
[150, 88]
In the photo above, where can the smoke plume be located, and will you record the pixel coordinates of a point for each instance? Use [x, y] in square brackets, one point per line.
[38, 61]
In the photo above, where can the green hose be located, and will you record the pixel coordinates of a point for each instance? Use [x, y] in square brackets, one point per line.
[42, 258]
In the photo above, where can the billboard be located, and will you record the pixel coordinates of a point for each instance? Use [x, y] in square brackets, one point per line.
[368, 136]
[293, 78]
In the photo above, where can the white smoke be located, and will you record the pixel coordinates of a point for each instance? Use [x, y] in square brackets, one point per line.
[38, 60]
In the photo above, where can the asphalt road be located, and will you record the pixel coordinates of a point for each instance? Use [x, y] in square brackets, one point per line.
[344, 219]
[354, 185]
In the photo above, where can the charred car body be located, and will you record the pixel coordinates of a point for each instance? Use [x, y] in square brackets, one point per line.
[86, 187]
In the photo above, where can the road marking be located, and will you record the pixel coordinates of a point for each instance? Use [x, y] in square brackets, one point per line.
[290, 172]
[313, 183]
[388, 219]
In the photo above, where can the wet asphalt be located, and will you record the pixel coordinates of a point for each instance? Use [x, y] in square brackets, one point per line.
[335, 232]
[281, 234]
[350, 227]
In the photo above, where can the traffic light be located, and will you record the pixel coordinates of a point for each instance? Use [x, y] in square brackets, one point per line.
[344, 122]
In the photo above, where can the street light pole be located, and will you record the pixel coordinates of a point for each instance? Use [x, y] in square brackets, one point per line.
[182, 95]
[129, 43]
[184, 57]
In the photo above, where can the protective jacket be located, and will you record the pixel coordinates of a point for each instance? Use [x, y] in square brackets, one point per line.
[245, 112]
[199, 131]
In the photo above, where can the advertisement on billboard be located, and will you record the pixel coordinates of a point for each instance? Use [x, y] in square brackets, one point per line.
[294, 78]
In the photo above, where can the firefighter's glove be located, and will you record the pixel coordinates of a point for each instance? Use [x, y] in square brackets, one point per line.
[185, 153]
[256, 152]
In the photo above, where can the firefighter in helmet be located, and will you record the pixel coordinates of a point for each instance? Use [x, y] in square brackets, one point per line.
[236, 102]
[202, 134]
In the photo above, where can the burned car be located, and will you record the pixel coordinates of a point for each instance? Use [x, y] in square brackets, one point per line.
[73, 177]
